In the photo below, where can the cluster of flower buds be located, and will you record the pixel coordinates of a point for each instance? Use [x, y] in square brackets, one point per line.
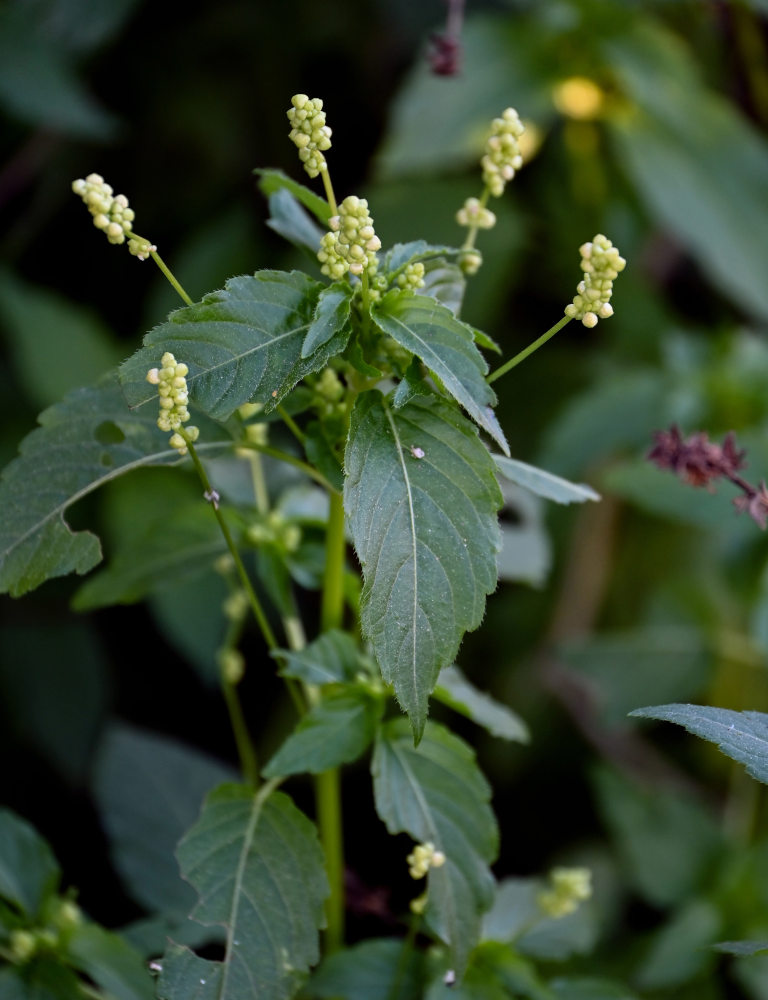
[309, 133]
[351, 244]
[472, 213]
[111, 213]
[568, 887]
[171, 382]
[502, 151]
[422, 858]
[275, 529]
[412, 276]
[601, 263]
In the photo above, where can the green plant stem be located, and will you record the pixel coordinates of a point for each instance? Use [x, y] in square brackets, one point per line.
[291, 424]
[165, 269]
[245, 748]
[329, 191]
[327, 784]
[284, 456]
[509, 365]
[402, 963]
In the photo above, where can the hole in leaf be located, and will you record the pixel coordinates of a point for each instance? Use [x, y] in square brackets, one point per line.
[108, 433]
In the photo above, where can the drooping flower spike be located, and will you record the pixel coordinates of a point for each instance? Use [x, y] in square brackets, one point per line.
[112, 214]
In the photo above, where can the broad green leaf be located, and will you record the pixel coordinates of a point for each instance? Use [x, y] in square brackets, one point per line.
[588, 988]
[184, 976]
[29, 873]
[149, 790]
[682, 948]
[290, 220]
[741, 947]
[56, 344]
[271, 181]
[336, 731]
[377, 969]
[41, 979]
[446, 346]
[332, 658]
[445, 281]
[742, 736]
[331, 316]
[258, 868]
[85, 441]
[111, 963]
[542, 483]
[171, 551]
[667, 842]
[426, 534]
[455, 690]
[241, 344]
[436, 792]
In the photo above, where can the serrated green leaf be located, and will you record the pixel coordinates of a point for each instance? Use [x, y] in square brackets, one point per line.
[259, 869]
[453, 689]
[289, 219]
[446, 346]
[29, 873]
[426, 533]
[411, 385]
[436, 792]
[542, 483]
[172, 551]
[742, 736]
[271, 181]
[184, 976]
[149, 790]
[241, 344]
[336, 731]
[331, 316]
[332, 658]
[110, 962]
[377, 969]
[83, 442]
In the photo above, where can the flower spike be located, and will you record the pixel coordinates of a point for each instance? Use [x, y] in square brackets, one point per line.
[601, 263]
[171, 383]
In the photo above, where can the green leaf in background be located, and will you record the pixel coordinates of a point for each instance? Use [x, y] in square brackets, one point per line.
[332, 658]
[526, 549]
[436, 792]
[272, 181]
[82, 443]
[446, 346]
[682, 948]
[542, 483]
[56, 345]
[453, 689]
[149, 790]
[667, 842]
[336, 731]
[331, 316]
[426, 534]
[111, 963]
[290, 220]
[29, 873]
[588, 988]
[742, 736]
[377, 969]
[42, 979]
[259, 870]
[241, 343]
[697, 163]
[741, 947]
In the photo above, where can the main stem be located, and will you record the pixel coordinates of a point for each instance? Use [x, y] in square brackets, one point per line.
[327, 784]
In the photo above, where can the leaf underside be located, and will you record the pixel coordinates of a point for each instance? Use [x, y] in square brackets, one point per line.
[426, 533]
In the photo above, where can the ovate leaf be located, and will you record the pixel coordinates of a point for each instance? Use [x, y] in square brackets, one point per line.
[436, 792]
[241, 343]
[330, 317]
[446, 346]
[542, 483]
[455, 690]
[83, 442]
[331, 659]
[110, 962]
[336, 731]
[29, 873]
[426, 534]
[258, 867]
[743, 736]
[271, 181]
[290, 220]
[741, 947]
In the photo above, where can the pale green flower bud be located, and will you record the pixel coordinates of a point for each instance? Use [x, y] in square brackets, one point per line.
[111, 213]
[309, 133]
[422, 858]
[568, 888]
[352, 242]
[329, 385]
[472, 213]
[23, 945]
[470, 261]
[232, 665]
[248, 410]
[412, 277]
[173, 397]
[600, 263]
[257, 434]
[502, 152]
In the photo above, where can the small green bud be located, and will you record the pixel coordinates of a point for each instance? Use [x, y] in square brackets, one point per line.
[23, 945]
[257, 434]
[472, 213]
[470, 261]
[248, 410]
[111, 213]
[568, 888]
[235, 607]
[351, 244]
[309, 133]
[502, 151]
[232, 665]
[601, 263]
[171, 382]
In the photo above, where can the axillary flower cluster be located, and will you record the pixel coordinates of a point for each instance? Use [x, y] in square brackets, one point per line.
[601, 264]
[112, 214]
[171, 382]
[352, 242]
[567, 889]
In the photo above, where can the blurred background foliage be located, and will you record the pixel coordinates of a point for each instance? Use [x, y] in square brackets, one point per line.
[658, 594]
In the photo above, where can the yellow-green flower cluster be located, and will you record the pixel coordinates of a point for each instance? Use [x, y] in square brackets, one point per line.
[472, 213]
[110, 212]
[422, 858]
[351, 244]
[412, 276]
[568, 887]
[309, 133]
[171, 382]
[502, 151]
[601, 263]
